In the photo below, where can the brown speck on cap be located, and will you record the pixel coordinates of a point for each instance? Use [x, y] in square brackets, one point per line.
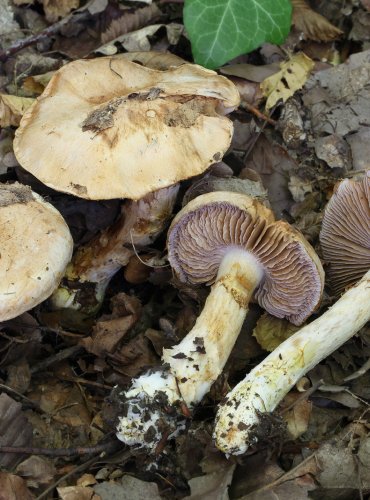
[345, 233]
[211, 224]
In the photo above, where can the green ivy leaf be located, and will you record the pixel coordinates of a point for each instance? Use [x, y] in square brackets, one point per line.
[220, 30]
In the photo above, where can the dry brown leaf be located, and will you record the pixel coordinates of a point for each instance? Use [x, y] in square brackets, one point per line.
[13, 488]
[15, 430]
[250, 72]
[313, 25]
[12, 108]
[37, 471]
[288, 80]
[37, 83]
[297, 418]
[270, 332]
[77, 493]
[131, 20]
[55, 9]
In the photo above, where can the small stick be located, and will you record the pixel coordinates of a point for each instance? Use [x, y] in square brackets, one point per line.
[303, 396]
[56, 452]
[65, 353]
[257, 113]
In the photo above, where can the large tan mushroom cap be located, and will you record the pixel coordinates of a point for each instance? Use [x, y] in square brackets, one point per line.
[345, 233]
[35, 248]
[211, 224]
[110, 128]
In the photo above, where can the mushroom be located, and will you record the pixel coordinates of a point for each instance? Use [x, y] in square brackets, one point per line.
[230, 240]
[36, 246]
[345, 231]
[110, 128]
[93, 265]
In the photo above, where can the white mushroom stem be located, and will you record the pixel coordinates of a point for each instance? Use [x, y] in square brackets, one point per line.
[240, 419]
[192, 366]
[94, 264]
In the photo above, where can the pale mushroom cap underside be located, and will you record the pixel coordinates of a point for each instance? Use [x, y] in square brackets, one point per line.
[345, 233]
[210, 225]
[36, 246]
[110, 128]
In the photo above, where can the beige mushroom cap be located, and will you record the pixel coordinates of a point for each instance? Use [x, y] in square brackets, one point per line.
[110, 128]
[36, 246]
[202, 233]
[345, 232]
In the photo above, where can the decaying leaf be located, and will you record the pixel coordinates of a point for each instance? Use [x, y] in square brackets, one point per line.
[288, 80]
[12, 109]
[37, 471]
[13, 488]
[128, 488]
[37, 83]
[77, 493]
[298, 416]
[137, 41]
[55, 9]
[271, 332]
[131, 20]
[15, 430]
[313, 25]
[212, 486]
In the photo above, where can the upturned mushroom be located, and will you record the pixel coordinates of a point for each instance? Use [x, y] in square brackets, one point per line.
[230, 240]
[110, 128]
[35, 248]
[345, 240]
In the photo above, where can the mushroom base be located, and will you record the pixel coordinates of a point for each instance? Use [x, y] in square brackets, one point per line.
[241, 417]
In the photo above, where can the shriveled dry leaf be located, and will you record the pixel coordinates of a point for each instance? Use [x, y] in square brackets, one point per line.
[251, 72]
[13, 488]
[270, 332]
[128, 488]
[137, 41]
[212, 486]
[131, 20]
[313, 25]
[37, 471]
[288, 80]
[299, 188]
[12, 109]
[15, 430]
[77, 493]
[298, 416]
[37, 83]
[55, 9]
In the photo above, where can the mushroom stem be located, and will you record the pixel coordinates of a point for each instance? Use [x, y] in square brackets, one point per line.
[265, 386]
[191, 367]
[94, 264]
[199, 358]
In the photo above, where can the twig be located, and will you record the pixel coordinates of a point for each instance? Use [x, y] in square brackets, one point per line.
[303, 396]
[358, 373]
[257, 113]
[80, 468]
[12, 391]
[57, 452]
[46, 33]
[65, 353]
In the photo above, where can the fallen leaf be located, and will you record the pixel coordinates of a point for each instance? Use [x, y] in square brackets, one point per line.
[288, 80]
[13, 488]
[77, 493]
[55, 9]
[131, 20]
[12, 109]
[299, 188]
[297, 418]
[270, 331]
[128, 488]
[313, 25]
[251, 72]
[137, 41]
[36, 84]
[212, 486]
[15, 430]
[37, 471]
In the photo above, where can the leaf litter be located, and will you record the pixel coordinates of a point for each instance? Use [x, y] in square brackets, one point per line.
[56, 380]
